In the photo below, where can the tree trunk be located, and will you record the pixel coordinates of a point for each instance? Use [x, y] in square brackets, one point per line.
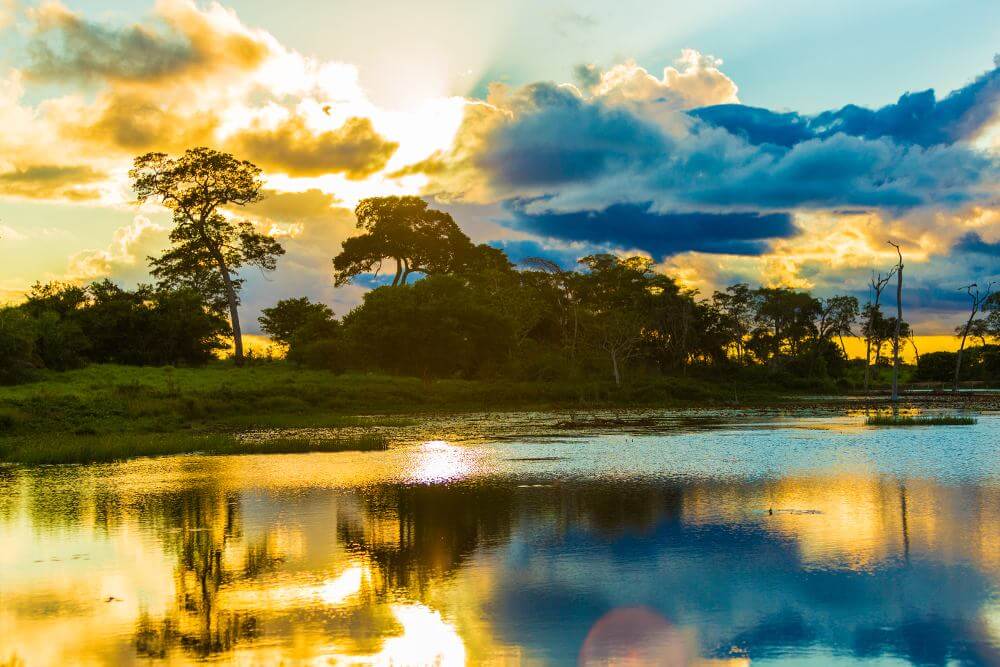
[916, 352]
[868, 359]
[899, 324]
[399, 271]
[958, 357]
[234, 315]
[614, 367]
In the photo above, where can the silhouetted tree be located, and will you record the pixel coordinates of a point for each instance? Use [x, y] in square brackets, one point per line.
[614, 292]
[736, 306]
[977, 300]
[208, 247]
[871, 314]
[417, 238]
[289, 317]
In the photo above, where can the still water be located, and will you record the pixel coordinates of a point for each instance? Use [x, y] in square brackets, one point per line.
[744, 539]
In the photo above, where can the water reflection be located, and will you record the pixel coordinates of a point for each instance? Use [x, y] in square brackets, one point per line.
[476, 555]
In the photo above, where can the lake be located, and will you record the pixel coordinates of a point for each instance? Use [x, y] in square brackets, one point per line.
[672, 538]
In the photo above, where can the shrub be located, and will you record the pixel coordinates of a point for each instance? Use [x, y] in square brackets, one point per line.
[17, 345]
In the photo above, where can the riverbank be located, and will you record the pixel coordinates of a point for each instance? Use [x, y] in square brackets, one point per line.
[107, 412]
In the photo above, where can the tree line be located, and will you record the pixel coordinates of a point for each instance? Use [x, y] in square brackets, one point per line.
[472, 313]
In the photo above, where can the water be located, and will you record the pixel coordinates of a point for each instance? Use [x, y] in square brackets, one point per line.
[763, 538]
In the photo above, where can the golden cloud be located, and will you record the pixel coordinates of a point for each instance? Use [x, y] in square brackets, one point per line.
[136, 122]
[307, 206]
[185, 41]
[51, 182]
[354, 149]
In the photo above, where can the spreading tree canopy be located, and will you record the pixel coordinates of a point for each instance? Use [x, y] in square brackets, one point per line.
[403, 229]
[208, 248]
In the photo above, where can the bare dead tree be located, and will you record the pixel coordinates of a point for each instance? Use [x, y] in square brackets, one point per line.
[977, 300]
[899, 323]
[877, 284]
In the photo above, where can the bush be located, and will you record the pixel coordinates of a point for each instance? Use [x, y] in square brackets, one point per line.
[17, 345]
[326, 354]
[936, 367]
[437, 326]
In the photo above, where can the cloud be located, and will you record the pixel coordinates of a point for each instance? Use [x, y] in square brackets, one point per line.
[135, 122]
[972, 242]
[584, 154]
[916, 118]
[696, 82]
[184, 41]
[125, 257]
[293, 207]
[565, 254]
[51, 182]
[354, 149]
[662, 234]
[8, 9]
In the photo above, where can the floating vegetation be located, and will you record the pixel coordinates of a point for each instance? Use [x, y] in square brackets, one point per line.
[918, 420]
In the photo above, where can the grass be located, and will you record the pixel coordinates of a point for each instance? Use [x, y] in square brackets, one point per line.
[39, 450]
[103, 399]
[897, 420]
[110, 412]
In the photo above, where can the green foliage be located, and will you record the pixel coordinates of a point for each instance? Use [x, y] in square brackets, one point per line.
[936, 367]
[61, 327]
[297, 317]
[403, 229]
[17, 346]
[904, 420]
[89, 447]
[435, 327]
[328, 354]
[208, 248]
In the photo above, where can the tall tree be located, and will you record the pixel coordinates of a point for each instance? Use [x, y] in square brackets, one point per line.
[899, 323]
[977, 301]
[872, 312]
[208, 248]
[736, 309]
[405, 230]
[615, 294]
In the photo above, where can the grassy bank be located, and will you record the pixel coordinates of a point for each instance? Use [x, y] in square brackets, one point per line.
[104, 399]
[107, 412]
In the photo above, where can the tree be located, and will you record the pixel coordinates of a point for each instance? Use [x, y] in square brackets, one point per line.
[897, 330]
[837, 317]
[403, 229]
[870, 314]
[736, 308]
[977, 302]
[289, 317]
[208, 248]
[434, 327]
[784, 319]
[614, 293]
[17, 345]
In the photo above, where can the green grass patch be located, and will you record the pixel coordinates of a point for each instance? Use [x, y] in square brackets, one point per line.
[909, 420]
[39, 450]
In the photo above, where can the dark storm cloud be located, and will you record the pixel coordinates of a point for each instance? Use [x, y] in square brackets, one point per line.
[916, 118]
[561, 138]
[974, 243]
[557, 141]
[661, 234]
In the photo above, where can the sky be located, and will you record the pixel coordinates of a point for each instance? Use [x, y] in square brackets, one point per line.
[775, 143]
